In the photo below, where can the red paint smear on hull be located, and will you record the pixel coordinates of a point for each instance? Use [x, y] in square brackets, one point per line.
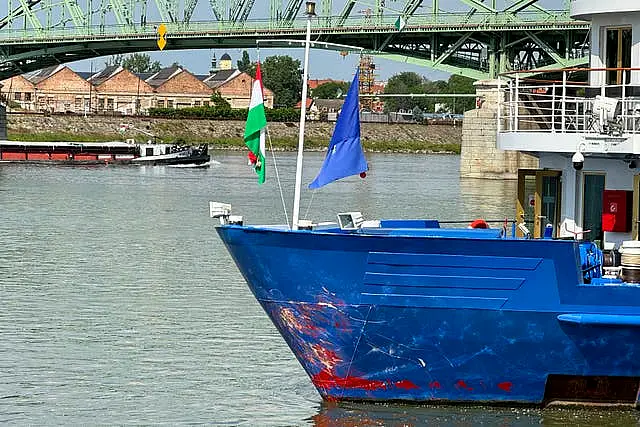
[434, 384]
[326, 380]
[461, 384]
[506, 386]
[406, 385]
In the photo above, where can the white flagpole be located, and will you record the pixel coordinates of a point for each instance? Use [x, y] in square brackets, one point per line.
[303, 116]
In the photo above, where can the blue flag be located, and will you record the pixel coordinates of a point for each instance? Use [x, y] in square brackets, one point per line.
[344, 156]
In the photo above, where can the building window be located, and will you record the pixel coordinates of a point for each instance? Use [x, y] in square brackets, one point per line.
[17, 96]
[196, 103]
[161, 103]
[169, 103]
[206, 103]
[78, 105]
[110, 104]
[27, 96]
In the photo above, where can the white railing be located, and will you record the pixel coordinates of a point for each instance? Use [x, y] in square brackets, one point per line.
[563, 106]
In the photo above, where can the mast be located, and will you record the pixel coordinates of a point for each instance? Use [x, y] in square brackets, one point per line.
[310, 11]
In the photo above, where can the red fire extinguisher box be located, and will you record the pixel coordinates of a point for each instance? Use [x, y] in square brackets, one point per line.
[617, 210]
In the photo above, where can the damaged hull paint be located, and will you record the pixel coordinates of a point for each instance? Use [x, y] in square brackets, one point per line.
[424, 319]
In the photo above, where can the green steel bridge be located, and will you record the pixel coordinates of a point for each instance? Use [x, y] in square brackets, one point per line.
[474, 38]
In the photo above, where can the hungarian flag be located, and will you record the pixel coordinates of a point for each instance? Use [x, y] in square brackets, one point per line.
[255, 129]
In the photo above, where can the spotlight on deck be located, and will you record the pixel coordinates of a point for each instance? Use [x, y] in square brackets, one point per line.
[578, 161]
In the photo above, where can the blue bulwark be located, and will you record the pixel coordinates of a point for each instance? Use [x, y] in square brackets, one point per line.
[409, 223]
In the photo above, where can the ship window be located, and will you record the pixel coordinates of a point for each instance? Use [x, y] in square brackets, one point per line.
[149, 152]
[550, 202]
[618, 54]
[592, 205]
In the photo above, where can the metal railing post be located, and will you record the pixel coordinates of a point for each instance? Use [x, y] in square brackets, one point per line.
[510, 106]
[517, 100]
[553, 108]
[623, 107]
[500, 98]
[564, 100]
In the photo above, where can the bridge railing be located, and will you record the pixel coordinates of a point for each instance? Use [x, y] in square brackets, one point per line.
[565, 106]
[416, 23]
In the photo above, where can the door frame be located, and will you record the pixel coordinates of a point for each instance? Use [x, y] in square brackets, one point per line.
[537, 216]
[636, 208]
[619, 29]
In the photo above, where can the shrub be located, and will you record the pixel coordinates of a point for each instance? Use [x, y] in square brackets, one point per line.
[223, 113]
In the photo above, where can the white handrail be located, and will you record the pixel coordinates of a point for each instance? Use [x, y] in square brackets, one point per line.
[533, 107]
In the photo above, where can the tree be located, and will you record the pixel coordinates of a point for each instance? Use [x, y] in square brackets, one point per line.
[330, 90]
[244, 64]
[218, 101]
[460, 84]
[282, 75]
[136, 63]
[406, 82]
[433, 87]
[114, 60]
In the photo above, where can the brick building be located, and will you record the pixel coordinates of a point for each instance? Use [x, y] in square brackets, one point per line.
[233, 85]
[176, 87]
[116, 90]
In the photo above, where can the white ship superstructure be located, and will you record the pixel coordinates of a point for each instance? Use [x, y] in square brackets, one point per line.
[584, 126]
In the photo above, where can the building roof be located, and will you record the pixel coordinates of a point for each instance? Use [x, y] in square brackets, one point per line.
[44, 73]
[104, 75]
[220, 77]
[309, 102]
[314, 83]
[84, 74]
[225, 57]
[143, 76]
[163, 75]
[329, 104]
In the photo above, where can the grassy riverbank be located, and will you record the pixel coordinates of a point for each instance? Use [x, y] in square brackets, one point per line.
[376, 137]
[282, 144]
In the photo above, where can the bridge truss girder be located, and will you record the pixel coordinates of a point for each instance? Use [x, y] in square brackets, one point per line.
[479, 41]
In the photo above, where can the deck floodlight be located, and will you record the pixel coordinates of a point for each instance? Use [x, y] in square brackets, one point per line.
[311, 8]
[577, 160]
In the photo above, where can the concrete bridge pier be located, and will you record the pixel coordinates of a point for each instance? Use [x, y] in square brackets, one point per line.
[479, 156]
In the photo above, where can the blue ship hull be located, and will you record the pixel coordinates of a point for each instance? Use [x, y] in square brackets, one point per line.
[443, 315]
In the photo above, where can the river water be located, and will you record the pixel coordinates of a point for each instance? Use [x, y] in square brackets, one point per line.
[119, 304]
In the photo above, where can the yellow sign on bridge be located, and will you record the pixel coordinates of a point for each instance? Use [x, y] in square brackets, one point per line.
[162, 32]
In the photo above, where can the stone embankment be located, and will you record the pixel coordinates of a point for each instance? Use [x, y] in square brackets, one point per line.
[228, 134]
